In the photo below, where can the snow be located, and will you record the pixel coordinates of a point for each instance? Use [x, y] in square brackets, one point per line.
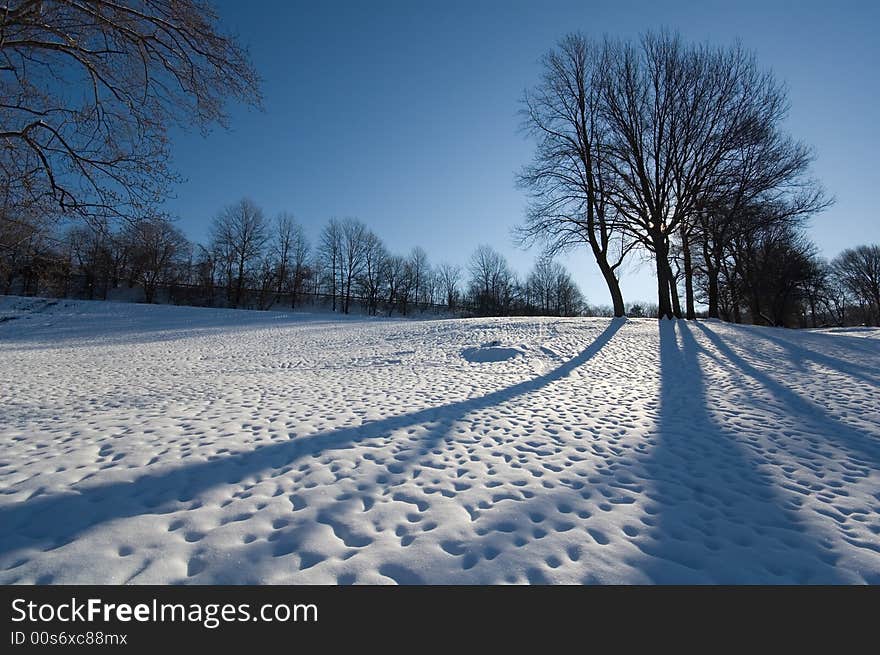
[155, 444]
[856, 331]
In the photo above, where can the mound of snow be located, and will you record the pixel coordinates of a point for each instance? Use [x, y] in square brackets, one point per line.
[491, 352]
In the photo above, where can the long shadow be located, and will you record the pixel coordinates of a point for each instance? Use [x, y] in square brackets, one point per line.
[798, 353]
[714, 516]
[58, 520]
[837, 432]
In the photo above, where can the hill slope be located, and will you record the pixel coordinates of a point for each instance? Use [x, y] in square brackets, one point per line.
[152, 444]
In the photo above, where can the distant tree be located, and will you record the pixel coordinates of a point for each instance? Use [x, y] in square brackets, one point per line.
[490, 280]
[858, 271]
[158, 252]
[300, 258]
[449, 276]
[838, 299]
[567, 297]
[817, 290]
[636, 311]
[420, 269]
[431, 288]
[541, 283]
[354, 243]
[282, 245]
[91, 89]
[374, 272]
[91, 251]
[206, 271]
[331, 255]
[239, 234]
[25, 232]
[266, 278]
[401, 282]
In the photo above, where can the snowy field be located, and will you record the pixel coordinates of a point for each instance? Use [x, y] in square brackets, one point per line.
[152, 444]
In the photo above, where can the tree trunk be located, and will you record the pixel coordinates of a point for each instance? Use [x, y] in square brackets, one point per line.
[672, 286]
[690, 312]
[673, 292]
[664, 307]
[240, 283]
[613, 287]
[712, 275]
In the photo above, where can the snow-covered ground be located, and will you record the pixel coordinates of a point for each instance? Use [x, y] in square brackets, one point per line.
[859, 331]
[151, 444]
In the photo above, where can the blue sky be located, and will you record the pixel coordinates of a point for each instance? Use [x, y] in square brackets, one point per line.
[404, 114]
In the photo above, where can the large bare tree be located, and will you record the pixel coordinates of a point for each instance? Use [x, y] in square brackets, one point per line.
[677, 116]
[569, 179]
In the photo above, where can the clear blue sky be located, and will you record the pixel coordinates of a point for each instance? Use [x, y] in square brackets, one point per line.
[404, 114]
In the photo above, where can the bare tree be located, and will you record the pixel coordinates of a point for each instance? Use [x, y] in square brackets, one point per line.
[300, 255]
[331, 254]
[768, 170]
[25, 230]
[551, 290]
[858, 270]
[418, 260]
[239, 234]
[450, 276]
[139, 66]
[374, 271]
[91, 250]
[285, 227]
[771, 269]
[205, 273]
[491, 279]
[266, 278]
[400, 283]
[569, 180]
[158, 251]
[676, 115]
[354, 243]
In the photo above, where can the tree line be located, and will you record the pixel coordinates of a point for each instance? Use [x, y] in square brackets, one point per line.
[675, 152]
[251, 261]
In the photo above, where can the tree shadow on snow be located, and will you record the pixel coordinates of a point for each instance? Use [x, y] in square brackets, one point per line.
[715, 514]
[53, 521]
[798, 354]
[864, 448]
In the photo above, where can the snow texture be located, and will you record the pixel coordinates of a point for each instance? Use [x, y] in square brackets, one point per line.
[152, 444]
